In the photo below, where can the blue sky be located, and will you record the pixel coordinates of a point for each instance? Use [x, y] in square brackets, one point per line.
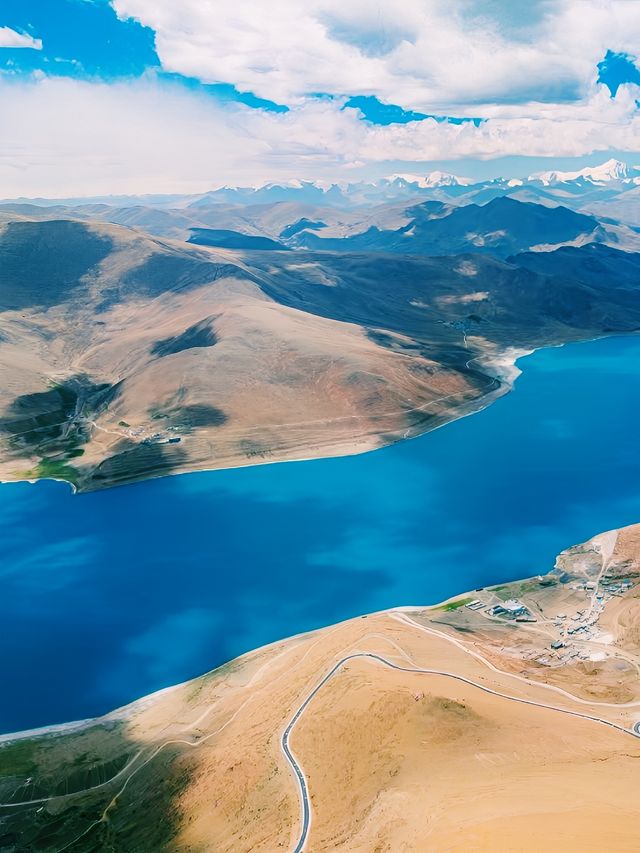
[617, 69]
[85, 39]
[79, 38]
[328, 90]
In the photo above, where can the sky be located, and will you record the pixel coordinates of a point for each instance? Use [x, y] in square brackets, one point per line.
[159, 96]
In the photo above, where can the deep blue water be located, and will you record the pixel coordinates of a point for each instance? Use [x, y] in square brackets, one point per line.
[107, 596]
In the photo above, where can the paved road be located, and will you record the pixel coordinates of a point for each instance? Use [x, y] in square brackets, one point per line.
[299, 775]
[406, 620]
[305, 823]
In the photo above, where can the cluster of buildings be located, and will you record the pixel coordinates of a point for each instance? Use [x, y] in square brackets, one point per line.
[583, 624]
[160, 438]
[616, 587]
[512, 609]
[157, 437]
[572, 629]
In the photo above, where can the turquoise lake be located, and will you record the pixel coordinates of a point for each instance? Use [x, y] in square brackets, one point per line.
[107, 596]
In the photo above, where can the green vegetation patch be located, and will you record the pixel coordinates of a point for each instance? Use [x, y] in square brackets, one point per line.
[55, 424]
[516, 589]
[454, 605]
[57, 469]
[19, 758]
[143, 817]
[56, 765]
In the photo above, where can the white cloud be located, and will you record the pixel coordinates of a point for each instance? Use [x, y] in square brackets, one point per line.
[65, 137]
[445, 54]
[10, 38]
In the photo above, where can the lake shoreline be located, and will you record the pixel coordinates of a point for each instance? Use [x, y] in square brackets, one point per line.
[78, 585]
[126, 712]
[502, 367]
[506, 374]
[121, 714]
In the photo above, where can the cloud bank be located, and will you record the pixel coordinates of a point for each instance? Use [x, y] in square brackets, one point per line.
[66, 137]
[420, 55]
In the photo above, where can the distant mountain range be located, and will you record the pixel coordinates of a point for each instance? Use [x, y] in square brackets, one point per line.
[612, 175]
[613, 182]
[146, 335]
[490, 220]
[502, 227]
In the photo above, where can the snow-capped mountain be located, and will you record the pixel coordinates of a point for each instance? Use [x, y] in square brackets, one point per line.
[432, 179]
[612, 170]
[312, 192]
[610, 189]
[436, 184]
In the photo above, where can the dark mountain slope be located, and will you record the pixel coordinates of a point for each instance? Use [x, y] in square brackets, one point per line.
[500, 228]
[45, 263]
[225, 239]
[507, 302]
[599, 266]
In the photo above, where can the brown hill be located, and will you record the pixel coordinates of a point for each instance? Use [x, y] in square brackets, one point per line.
[124, 356]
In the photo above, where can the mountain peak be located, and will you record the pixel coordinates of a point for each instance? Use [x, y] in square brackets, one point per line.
[611, 170]
[432, 179]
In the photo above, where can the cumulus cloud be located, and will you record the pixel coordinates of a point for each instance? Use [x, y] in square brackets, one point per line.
[456, 54]
[65, 137]
[10, 38]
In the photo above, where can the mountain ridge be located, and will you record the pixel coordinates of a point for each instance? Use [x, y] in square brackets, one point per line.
[609, 175]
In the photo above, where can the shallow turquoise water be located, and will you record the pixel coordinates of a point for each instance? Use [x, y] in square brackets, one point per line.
[108, 596]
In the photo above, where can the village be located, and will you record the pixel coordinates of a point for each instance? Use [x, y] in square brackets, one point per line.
[562, 610]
